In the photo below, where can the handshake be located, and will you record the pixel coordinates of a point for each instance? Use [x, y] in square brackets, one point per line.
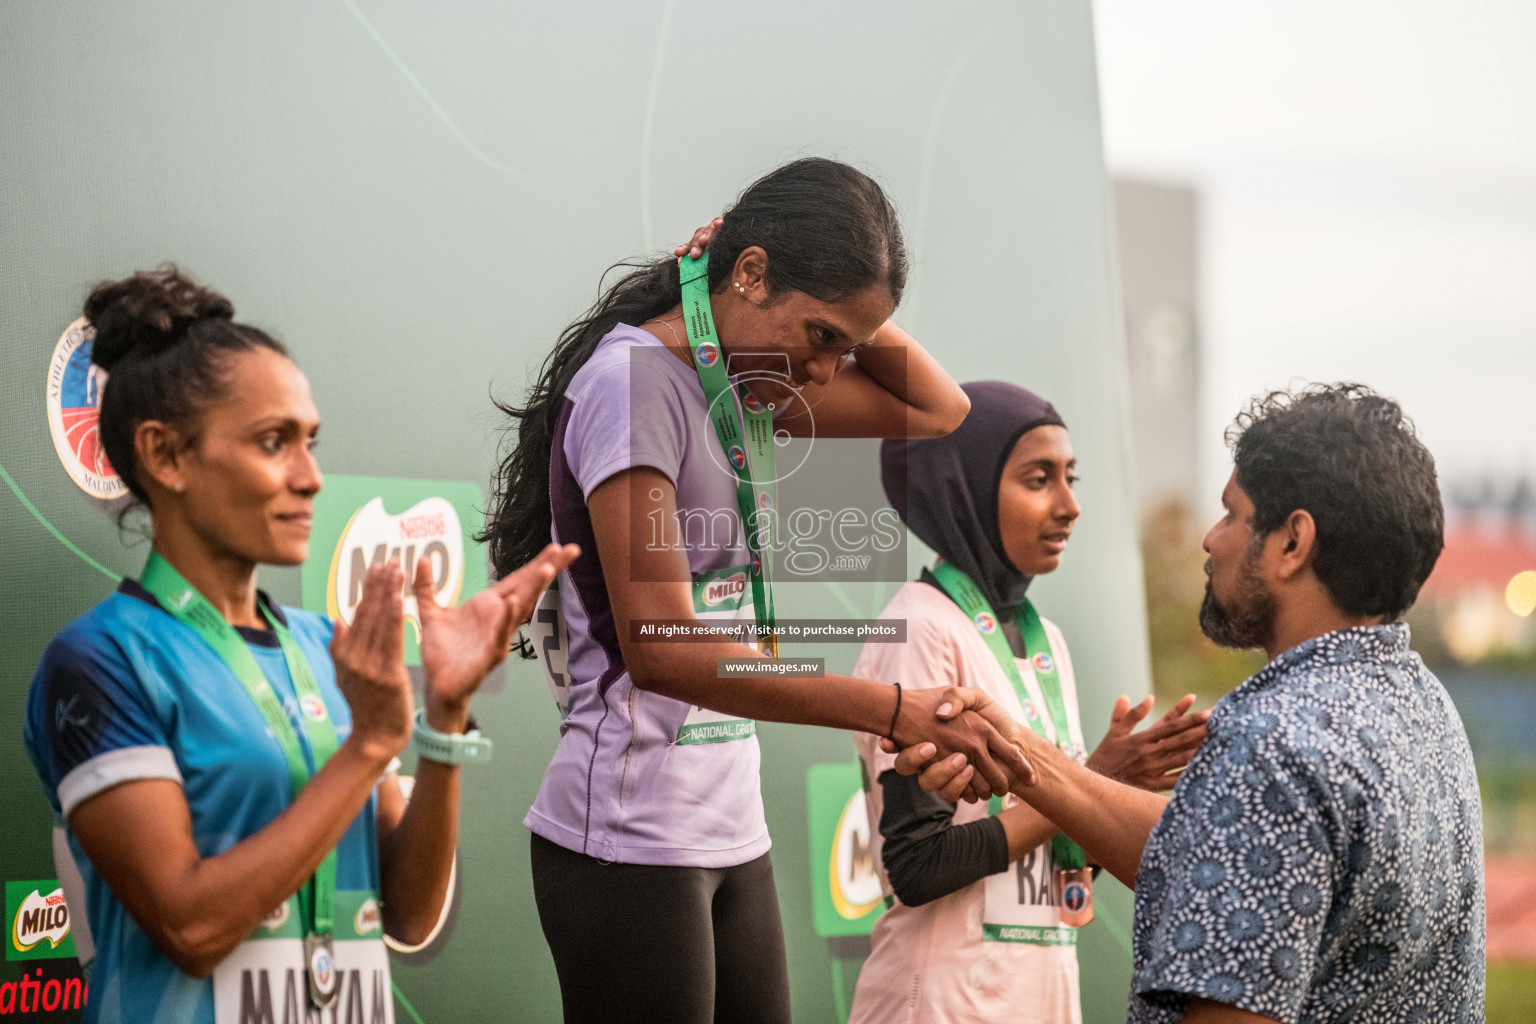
[964, 745]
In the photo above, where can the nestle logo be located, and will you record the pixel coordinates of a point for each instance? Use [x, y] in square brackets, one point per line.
[414, 527]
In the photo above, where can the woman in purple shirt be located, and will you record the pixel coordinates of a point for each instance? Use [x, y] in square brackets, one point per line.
[650, 851]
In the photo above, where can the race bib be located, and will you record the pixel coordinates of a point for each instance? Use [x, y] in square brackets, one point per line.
[725, 596]
[551, 642]
[263, 980]
[1022, 904]
[719, 595]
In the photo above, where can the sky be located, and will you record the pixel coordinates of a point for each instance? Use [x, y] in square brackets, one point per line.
[1367, 182]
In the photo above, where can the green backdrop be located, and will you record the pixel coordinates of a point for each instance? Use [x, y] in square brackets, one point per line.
[417, 197]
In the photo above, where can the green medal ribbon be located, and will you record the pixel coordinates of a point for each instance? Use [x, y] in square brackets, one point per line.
[964, 592]
[317, 897]
[749, 449]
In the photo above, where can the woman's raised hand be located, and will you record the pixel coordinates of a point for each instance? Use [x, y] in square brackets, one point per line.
[696, 245]
[370, 665]
[460, 646]
[1145, 759]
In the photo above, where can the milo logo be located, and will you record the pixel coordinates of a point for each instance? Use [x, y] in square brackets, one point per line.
[367, 918]
[277, 918]
[429, 530]
[38, 916]
[724, 591]
[855, 883]
[846, 891]
[367, 521]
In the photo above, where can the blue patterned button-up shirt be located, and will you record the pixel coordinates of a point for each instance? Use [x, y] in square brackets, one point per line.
[1322, 857]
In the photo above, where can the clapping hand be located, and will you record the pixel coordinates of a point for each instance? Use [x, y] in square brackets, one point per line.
[370, 664]
[460, 646]
[1151, 758]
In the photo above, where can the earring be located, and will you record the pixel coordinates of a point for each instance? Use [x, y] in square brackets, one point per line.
[740, 288]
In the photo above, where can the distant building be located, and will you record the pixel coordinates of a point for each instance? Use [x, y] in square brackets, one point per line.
[1158, 242]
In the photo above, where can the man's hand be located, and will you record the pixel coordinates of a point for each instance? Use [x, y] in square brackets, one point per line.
[966, 723]
[1149, 759]
[954, 777]
[1109, 819]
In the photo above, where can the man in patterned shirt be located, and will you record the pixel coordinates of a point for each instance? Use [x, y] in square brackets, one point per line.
[1321, 858]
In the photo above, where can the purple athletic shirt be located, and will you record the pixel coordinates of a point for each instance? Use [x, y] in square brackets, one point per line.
[619, 788]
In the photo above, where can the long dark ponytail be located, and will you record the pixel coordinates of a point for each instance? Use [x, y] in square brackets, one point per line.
[829, 232]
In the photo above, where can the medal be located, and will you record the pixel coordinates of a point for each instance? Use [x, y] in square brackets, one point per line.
[1074, 882]
[324, 978]
[1074, 896]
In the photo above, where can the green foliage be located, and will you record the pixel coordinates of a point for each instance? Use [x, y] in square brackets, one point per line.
[1511, 993]
[1508, 785]
[1183, 660]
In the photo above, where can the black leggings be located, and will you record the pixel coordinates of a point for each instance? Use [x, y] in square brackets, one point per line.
[662, 945]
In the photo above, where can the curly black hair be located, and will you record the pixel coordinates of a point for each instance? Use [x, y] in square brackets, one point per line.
[1352, 459]
[164, 340]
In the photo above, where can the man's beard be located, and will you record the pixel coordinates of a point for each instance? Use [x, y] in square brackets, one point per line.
[1248, 621]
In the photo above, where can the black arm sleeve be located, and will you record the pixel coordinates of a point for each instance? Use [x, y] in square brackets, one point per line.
[926, 855]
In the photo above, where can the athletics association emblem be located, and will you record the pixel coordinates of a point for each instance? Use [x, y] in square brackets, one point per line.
[322, 975]
[1043, 663]
[74, 399]
[751, 402]
[737, 456]
[765, 500]
[708, 353]
[1074, 897]
[986, 623]
[314, 707]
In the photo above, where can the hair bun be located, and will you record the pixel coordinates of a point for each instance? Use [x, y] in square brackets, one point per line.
[148, 313]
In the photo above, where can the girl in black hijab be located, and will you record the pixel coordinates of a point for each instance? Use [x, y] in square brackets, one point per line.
[988, 897]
